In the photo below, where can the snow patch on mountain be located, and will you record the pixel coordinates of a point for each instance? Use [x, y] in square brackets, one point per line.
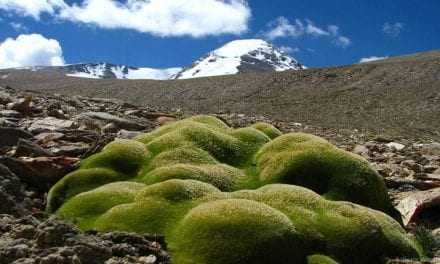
[111, 71]
[241, 56]
[153, 74]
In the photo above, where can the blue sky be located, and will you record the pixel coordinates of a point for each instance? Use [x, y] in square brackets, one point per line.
[169, 33]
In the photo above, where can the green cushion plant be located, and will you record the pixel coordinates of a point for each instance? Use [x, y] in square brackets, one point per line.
[247, 195]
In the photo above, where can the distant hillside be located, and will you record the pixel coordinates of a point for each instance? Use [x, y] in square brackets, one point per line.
[398, 96]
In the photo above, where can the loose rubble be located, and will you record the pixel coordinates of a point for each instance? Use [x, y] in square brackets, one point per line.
[32, 241]
[43, 137]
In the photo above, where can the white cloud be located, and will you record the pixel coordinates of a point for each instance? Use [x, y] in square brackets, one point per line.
[30, 50]
[288, 49]
[282, 28]
[333, 30]
[342, 42]
[314, 30]
[373, 58]
[393, 29]
[163, 18]
[18, 26]
[33, 8]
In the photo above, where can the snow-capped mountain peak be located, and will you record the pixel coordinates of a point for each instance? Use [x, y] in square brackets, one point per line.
[241, 56]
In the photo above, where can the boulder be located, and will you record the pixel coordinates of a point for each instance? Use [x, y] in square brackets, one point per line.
[22, 105]
[420, 206]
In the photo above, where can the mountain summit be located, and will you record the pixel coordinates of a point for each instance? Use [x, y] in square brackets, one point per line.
[241, 56]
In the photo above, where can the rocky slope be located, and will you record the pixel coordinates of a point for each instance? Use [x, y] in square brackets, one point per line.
[43, 136]
[398, 96]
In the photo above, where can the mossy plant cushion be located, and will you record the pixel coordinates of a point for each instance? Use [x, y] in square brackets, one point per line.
[247, 195]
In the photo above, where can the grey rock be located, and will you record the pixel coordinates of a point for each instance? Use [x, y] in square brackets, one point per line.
[70, 149]
[50, 124]
[411, 164]
[11, 192]
[45, 137]
[395, 146]
[22, 105]
[430, 149]
[10, 113]
[25, 261]
[433, 177]
[361, 150]
[110, 128]
[56, 242]
[100, 119]
[30, 149]
[419, 206]
[5, 98]
[40, 172]
[163, 120]
[125, 134]
[57, 113]
[8, 254]
[431, 169]
[10, 136]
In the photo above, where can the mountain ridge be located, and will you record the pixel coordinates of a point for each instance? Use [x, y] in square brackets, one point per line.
[235, 57]
[397, 96]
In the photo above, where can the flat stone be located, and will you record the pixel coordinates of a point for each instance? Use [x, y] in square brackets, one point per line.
[71, 149]
[433, 177]
[10, 113]
[51, 124]
[45, 137]
[103, 119]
